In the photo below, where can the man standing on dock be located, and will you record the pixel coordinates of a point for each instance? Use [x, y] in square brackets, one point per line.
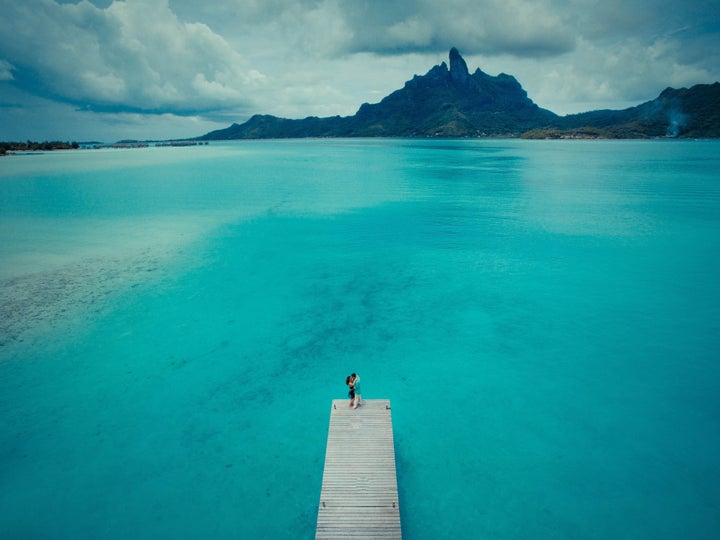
[357, 400]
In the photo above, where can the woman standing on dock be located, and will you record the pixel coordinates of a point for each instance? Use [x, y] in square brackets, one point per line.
[351, 391]
[357, 400]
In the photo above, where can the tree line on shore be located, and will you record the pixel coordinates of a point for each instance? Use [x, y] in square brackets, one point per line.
[34, 146]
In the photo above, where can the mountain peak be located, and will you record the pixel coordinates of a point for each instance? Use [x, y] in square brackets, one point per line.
[453, 103]
[458, 67]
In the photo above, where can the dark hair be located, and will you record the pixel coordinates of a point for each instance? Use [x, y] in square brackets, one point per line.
[353, 375]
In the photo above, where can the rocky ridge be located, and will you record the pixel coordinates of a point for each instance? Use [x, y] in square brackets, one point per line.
[452, 102]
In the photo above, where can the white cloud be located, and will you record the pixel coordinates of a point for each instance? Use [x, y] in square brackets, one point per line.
[411, 32]
[595, 76]
[6, 69]
[134, 54]
[214, 89]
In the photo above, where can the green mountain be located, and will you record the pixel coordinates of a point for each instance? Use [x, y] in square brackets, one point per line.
[451, 102]
[687, 112]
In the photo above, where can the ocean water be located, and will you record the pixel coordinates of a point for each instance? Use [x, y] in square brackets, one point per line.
[544, 316]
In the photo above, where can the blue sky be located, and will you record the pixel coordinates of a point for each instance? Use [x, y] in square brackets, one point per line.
[108, 70]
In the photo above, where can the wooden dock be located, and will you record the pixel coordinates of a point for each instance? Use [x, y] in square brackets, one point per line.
[359, 497]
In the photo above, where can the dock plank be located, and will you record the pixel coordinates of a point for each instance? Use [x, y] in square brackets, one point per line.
[359, 496]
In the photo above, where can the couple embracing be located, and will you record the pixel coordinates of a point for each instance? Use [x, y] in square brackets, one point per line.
[353, 381]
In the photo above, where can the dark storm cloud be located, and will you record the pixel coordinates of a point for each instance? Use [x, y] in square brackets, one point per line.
[487, 27]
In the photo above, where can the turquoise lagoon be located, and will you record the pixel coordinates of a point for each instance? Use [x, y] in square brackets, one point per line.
[544, 316]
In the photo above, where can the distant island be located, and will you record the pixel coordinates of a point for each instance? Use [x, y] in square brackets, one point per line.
[34, 146]
[31, 146]
[451, 102]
